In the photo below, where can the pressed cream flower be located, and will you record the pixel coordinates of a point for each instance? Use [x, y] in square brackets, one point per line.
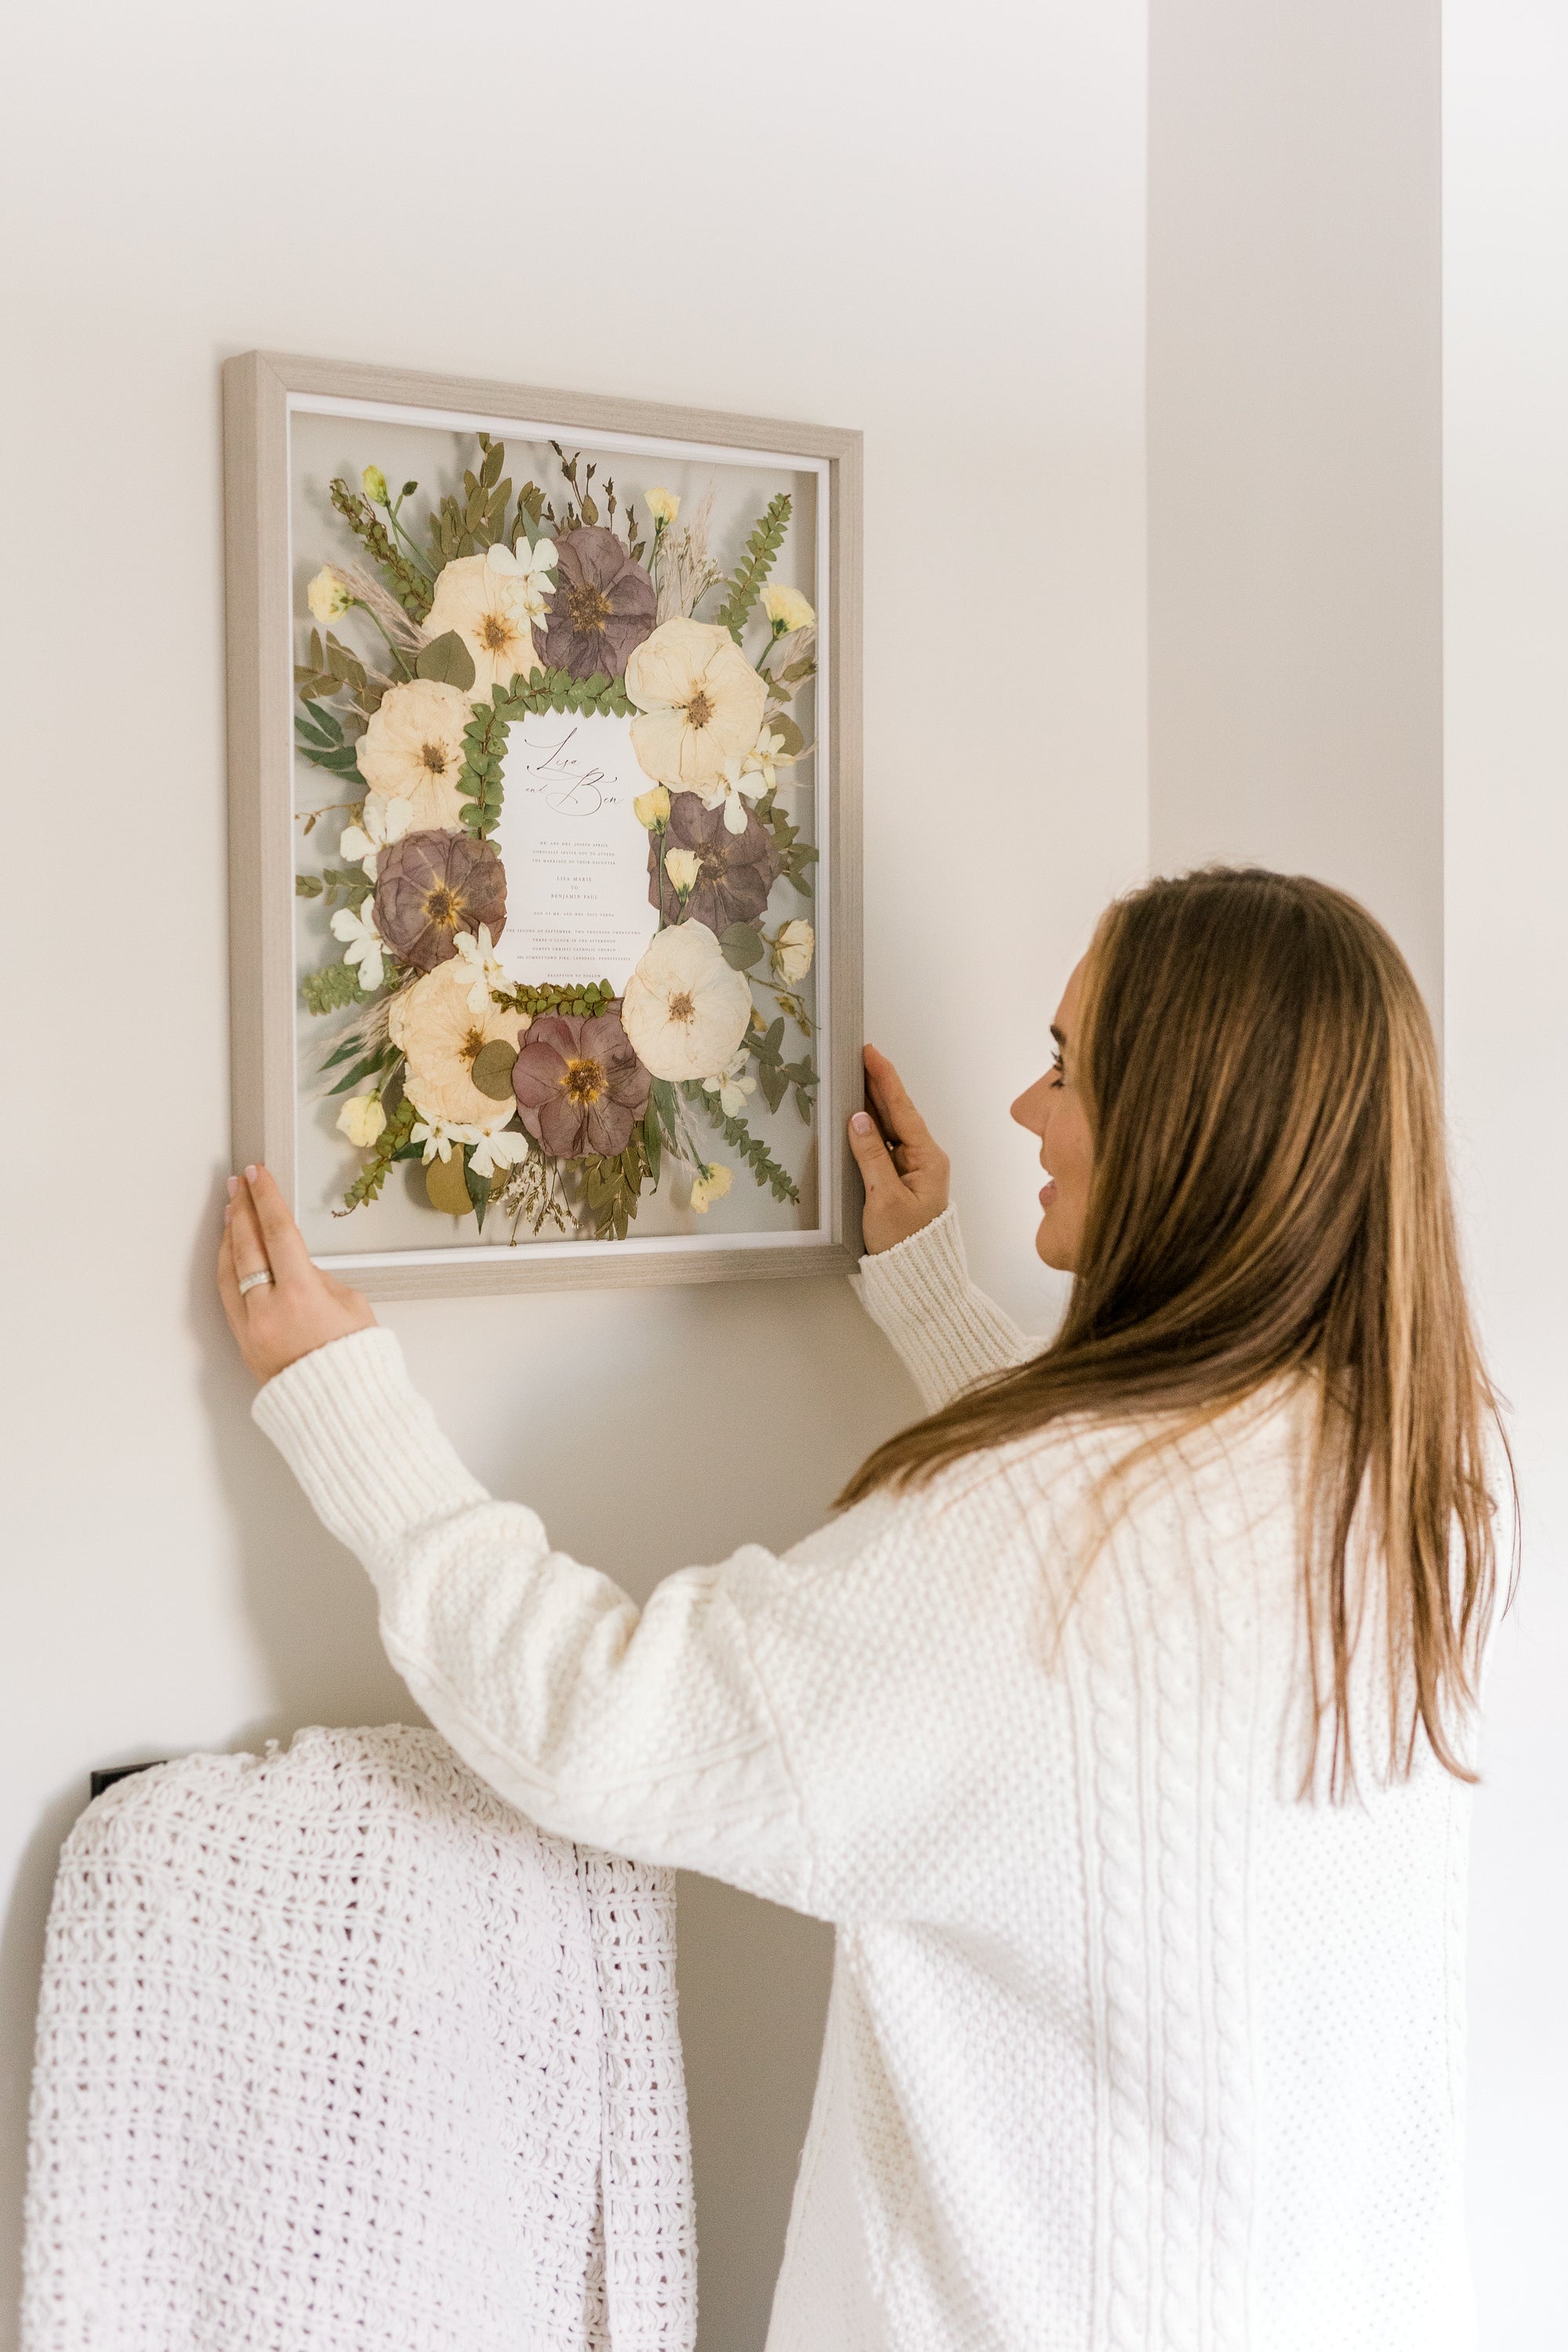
[732, 1085]
[382, 822]
[793, 950]
[493, 600]
[663, 505]
[440, 1039]
[711, 1181]
[372, 481]
[412, 749]
[652, 809]
[701, 703]
[329, 596]
[683, 866]
[786, 609]
[363, 945]
[685, 1009]
[362, 1119]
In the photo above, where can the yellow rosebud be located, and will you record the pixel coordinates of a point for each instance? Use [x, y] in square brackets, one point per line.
[663, 505]
[652, 809]
[683, 866]
[375, 482]
[711, 1184]
[362, 1119]
[788, 609]
[328, 596]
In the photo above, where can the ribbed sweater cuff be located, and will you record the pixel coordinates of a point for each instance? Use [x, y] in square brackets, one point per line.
[362, 1442]
[947, 1332]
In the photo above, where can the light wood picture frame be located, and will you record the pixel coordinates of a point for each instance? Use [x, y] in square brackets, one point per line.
[287, 421]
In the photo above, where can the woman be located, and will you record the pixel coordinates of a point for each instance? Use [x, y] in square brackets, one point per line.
[1121, 1721]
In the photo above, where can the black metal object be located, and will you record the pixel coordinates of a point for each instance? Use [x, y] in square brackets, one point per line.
[107, 1774]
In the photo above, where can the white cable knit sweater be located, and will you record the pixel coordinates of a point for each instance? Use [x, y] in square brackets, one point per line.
[336, 2053]
[1128, 2050]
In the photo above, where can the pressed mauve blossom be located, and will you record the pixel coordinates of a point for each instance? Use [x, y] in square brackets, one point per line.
[431, 886]
[603, 606]
[735, 871]
[579, 1086]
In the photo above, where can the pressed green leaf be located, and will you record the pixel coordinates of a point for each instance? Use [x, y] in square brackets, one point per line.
[308, 886]
[794, 741]
[492, 1067]
[446, 660]
[742, 945]
[446, 1184]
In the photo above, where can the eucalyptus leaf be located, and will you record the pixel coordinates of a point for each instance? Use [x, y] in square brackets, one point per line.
[446, 660]
[743, 946]
[446, 1184]
[492, 1067]
[794, 741]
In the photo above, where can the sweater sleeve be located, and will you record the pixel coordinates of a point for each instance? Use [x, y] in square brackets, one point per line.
[650, 1733]
[947, 1331]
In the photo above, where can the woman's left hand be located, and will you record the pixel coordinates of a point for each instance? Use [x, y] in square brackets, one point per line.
[302, 1309]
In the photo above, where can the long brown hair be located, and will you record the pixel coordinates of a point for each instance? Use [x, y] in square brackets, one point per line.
[1270, 1196]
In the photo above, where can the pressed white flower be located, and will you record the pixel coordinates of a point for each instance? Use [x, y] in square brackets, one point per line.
[362, 1119]
[484, 970]
[505, 1149]
[683, 866]
[382, 822]
[663, 505]
[372, 481]
[732, 1085]
[440, 1139]
[440, 1039]
[724, 793]
[766, 758]
[700, 703]
[363, 946]
[711, 1181]
[412, 749]
[493, 600]
[788, 609]
[329, 596]
[685, 1009]
[793, 950]
[652, 808]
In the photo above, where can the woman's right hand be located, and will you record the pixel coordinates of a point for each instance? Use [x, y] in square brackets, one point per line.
[906, 1175]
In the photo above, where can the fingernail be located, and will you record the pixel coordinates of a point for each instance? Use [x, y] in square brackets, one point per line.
[861, 1123]
[250, 1175]
[233, 1186]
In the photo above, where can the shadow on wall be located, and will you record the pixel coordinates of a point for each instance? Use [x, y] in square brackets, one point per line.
[734, 1414]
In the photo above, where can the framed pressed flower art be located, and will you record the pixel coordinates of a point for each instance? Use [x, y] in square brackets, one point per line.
[545, 828]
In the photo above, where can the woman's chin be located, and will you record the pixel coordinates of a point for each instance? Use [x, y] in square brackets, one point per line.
[1051, 1245]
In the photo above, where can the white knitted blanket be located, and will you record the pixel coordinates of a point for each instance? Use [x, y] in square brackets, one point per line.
[337, 2052]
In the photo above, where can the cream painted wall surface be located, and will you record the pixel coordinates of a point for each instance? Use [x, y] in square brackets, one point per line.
[832, 211]
[1505, 204]
[1294, 497]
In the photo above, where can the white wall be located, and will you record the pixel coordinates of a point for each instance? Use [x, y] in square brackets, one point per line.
[1505, 198]
[1294, 565]
[828, 211]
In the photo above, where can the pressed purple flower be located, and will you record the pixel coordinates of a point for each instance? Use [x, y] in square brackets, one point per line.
[735, 871]
[431, 886]
[602, 606]
[580, 1087]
